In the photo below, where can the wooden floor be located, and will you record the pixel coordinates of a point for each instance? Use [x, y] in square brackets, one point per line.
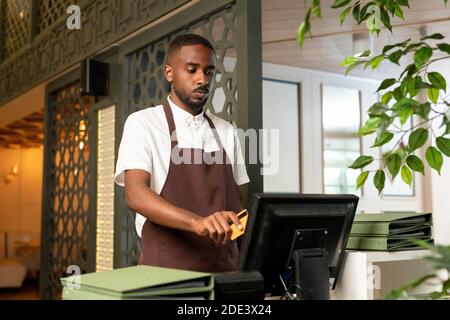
[28, 291]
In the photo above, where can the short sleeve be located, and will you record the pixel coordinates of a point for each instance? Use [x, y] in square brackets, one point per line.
[134, 150]
[239, 169]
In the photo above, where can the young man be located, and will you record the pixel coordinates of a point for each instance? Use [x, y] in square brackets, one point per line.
[183, 204]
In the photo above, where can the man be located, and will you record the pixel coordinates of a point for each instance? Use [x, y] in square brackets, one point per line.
[184, 205]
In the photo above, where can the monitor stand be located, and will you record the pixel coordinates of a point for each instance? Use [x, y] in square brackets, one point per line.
[309, 259]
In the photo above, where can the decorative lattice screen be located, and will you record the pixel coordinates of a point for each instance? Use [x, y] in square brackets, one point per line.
[147, 86]
[16, 24]
[49, 11]
[68, 210]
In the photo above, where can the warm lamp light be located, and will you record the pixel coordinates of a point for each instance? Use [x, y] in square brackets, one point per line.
[11, 176]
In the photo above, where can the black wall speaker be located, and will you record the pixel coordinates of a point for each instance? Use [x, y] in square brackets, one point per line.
[94, 78]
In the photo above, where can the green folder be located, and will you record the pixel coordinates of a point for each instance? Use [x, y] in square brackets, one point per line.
[391, 223]
[387, 228]
[391, 243]
[394, 217]
[81, 294]
[140, 282]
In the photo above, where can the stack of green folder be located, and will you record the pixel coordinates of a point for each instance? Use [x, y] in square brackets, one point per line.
[390, 231]
[139, 282]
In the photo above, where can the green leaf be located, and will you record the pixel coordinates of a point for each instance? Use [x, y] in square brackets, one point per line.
[390, 5]
[379, 180]
[385, 19]
[398, 93]
[340, 3]
[424, 85]
[394, 162]
[422, 56]
[437, 80]
[343, 15]
[361, 162]
[413, 86]
[415, 164]
[434, 158]
[349, 61]
[363, 54]
[301, 34]
[433, 94]
[435, 36]
[353, 66]
[316, 8]
[382, 139]
[386, 84]
[403, 3]
[392, 46]
[409, 70]
[303, 28]
[356, 12]
[365, 11]
[417, 139]
[373, 24]
[371, 125]
[376, 61]
[361, 179]
[406, 175]
[395, 56]
[444, 47]
[444, 145]
[378, 108]
[385, 98]
[399, 12]
[423, 110]
[413, 46]
[402, 103]
[405, 113]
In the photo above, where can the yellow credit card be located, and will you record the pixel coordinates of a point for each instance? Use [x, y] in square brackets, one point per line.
[243, 217]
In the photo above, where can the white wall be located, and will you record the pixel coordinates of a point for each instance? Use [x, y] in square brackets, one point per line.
[440, 184]
[20, 208]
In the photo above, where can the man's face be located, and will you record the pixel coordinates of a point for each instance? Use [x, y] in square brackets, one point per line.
[191, 72]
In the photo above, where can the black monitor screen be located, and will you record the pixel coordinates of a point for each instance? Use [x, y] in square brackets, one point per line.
[274, 219]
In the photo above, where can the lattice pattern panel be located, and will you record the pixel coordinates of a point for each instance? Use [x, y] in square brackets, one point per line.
[49, 11]
[105, 189]
[17, 27]
[147, 86]
[103, 22]
[69, 212]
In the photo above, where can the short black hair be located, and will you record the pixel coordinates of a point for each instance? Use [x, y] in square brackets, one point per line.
[188, 40]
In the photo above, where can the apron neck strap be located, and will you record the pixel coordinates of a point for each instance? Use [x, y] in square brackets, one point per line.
[171, 123]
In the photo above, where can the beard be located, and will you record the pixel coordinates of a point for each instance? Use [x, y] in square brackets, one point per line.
[193, 104]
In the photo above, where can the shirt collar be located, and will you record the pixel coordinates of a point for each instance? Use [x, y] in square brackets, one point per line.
[185, 116]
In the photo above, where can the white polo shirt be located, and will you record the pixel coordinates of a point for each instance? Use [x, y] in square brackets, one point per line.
[146, 145]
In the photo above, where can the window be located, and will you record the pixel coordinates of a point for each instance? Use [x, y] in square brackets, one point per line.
[281, 141]
[341, 144]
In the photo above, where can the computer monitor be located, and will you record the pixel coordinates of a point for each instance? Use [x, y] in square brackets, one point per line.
[297, 242]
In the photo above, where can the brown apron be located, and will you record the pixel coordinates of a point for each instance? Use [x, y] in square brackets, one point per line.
[203, 188]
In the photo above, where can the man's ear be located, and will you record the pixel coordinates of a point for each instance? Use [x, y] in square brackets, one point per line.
[168, 73]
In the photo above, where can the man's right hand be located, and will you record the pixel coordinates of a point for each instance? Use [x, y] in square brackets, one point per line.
[216, 226]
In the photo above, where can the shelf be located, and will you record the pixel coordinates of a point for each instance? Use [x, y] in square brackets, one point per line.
[384, 256]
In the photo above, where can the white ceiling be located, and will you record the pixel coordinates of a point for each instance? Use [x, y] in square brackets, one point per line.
[331, 43]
